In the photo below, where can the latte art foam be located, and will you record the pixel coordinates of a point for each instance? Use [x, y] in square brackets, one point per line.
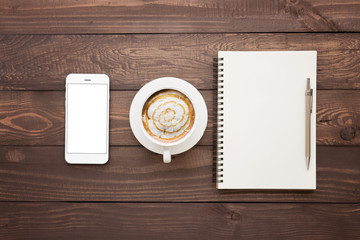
[168, 115]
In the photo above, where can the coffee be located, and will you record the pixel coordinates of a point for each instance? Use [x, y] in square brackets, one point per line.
[168, 116]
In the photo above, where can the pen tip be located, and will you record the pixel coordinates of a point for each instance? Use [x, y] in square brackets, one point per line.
[308, 162]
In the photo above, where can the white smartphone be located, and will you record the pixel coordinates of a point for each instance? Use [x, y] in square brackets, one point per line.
[87, 118]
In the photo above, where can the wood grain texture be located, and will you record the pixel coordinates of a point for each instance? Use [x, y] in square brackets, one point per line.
[178, 221]
[37, 117]
[38, 62]
[338, 117]
[136, 174]
[181, 199]
[165, 16]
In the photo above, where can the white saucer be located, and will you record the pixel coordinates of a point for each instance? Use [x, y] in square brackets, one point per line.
[201, 115]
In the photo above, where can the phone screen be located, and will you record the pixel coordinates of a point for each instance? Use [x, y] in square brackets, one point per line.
[87, 113]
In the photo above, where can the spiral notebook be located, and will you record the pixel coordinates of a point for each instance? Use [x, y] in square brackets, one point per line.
[261, 120]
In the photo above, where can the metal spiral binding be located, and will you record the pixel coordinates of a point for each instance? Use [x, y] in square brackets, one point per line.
[220, 120]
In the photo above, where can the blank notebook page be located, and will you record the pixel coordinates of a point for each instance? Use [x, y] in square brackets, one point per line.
[264, 120]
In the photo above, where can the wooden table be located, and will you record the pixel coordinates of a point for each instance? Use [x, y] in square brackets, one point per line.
[135, 195]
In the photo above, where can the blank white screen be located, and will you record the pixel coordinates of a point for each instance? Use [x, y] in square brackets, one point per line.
[87, 113]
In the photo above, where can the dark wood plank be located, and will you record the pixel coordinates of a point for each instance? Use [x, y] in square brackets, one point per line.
[42, 62]
[338, 117]
[136, 174]
[86, 16]
[37, 117]
[178, 221]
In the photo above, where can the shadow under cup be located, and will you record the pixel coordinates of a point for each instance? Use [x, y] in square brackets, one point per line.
[168, 116]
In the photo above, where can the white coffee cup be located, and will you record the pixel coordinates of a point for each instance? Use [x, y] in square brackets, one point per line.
[168, 147]
[183, 144]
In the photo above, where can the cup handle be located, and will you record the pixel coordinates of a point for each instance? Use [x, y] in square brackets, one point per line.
[166, 156]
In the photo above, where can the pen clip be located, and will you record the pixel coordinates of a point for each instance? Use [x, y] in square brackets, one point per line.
[309, 92]
[311, 100]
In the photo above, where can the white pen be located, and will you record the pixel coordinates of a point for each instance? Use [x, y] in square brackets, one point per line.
[309, 102]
